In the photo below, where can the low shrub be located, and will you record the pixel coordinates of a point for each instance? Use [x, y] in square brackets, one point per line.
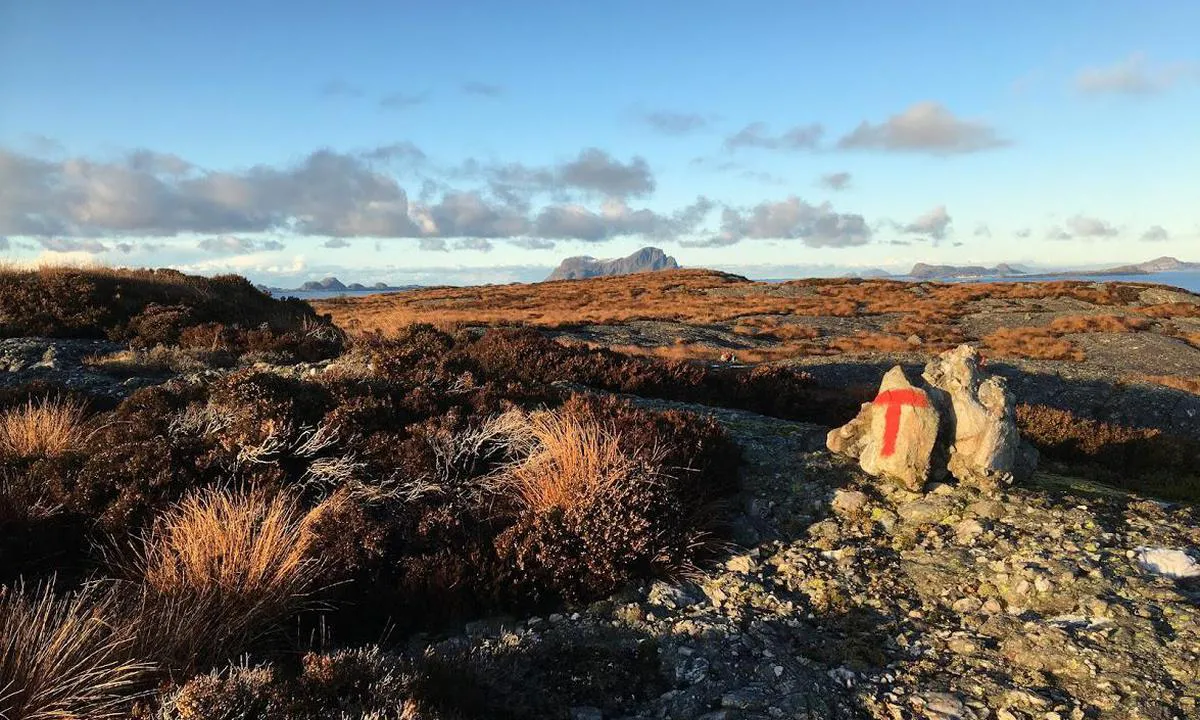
[1142, 459]
[597, 509]
[1097, 324]
[64, 656]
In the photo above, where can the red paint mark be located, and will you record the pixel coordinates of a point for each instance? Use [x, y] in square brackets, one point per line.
[894, 400]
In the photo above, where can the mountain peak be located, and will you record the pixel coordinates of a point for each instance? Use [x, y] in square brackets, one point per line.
[648, 259]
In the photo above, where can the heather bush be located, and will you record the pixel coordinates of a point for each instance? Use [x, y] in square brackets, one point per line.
[1142, 459]
[161, 307]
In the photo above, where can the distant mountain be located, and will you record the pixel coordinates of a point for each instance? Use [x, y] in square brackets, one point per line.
[923, 271]
[648, 259]
[329, 283]
[1157, 265]
[868, 273]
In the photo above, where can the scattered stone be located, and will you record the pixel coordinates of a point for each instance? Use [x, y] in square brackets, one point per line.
[920, 512]
[894, 435]
[586, 712]
[1167, 562]
[848, 502]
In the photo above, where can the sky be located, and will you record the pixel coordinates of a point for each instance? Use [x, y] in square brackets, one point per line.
[454, 142]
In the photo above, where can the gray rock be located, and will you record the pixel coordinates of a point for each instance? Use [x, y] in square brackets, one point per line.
[893, 436]
[980, 416]
[586, 712]
[921, 512]
[848, 502]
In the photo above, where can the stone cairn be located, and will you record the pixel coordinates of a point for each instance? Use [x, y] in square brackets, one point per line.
[962, 423]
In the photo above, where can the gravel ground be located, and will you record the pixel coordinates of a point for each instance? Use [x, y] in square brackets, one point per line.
[849, 598]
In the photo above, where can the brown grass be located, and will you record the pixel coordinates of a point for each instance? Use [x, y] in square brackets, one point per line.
[1186, 384]
[1141, 459]
[221, 568]
[566, 462]
[1069, 324]
[870, 342]
[139, 361]
[1031, 342]
[45, 428]
[63, 656]
[690, 296]
[1169, 310]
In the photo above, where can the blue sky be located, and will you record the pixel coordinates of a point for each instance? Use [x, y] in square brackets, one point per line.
[472, 142]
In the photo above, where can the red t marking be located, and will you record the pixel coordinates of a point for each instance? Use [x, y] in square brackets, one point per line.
[896, 399]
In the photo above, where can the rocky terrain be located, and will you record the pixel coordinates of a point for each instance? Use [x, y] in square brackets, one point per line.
[849, 597]
[942, 578]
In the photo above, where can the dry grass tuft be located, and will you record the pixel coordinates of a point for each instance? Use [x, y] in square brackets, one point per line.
[567, 462]
[220, 569]
[45, 428]
[62, 657]
[144, 361]
[1031, 342]
[1186, 384]
[1097, 324]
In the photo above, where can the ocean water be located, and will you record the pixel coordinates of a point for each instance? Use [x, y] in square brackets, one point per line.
[1189, 280]
[323, 294]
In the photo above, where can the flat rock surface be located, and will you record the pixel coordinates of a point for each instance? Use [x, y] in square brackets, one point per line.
[892, 604]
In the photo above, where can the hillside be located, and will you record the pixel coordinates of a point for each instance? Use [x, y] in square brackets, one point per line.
[648, 259]
[587, 512]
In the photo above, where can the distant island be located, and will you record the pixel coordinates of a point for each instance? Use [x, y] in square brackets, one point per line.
[1157, 265]
[648, 259]
[926, 272]
[332, 284]
[922, 271]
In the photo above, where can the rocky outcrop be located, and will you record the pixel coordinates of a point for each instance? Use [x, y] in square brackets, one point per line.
[964, 422]
[894, 435]
[980, 416]
[329, 283]
[648, 259]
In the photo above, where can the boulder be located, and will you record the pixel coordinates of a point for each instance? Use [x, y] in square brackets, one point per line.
[979, 413]
[894, 435]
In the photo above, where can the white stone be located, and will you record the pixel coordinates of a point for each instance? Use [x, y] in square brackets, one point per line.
[1167, 562]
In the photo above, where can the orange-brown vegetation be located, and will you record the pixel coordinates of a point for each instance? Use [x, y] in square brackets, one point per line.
[1143, 459]
[160, 307]
[1031, 342]
[40, 428]
[1097, 324]
[1169, 310]
[218, 569]
[1186, 384]
[865, 342]
[691, 296]
[772, 327]
[62, 656]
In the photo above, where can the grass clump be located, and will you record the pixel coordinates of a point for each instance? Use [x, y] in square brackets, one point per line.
[40, 428]
[218, 570]
[64, 656]
[1031, 342]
